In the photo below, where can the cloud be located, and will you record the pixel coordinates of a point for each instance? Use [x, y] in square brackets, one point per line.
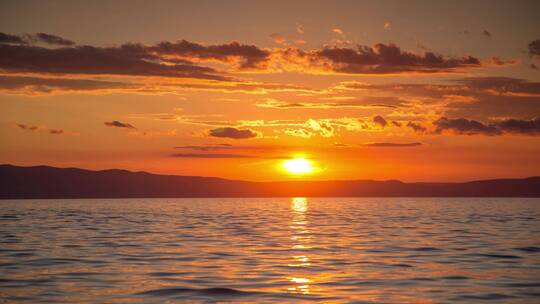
[300, 28]
[249, 56]
[380, 121]
[474, 97]
[208, 147]
[279, 39]
[367, 103]
[234, 133]
[27, 127]
[118, 124]
[416, 127]
[534, 49]
[185, 59]
[52, 39]
[486, 33]
[393, 145]
[211, 155]
[520, 126]
[11, 39]
[303, 133]
[46, 85]
[502, 85]
[465, 126]
[379, 59]
[473, 127]
[56, 131]
[327, 127]
[132, 60]
[39, 85]
[324, 128]
[39, 37]
[338, 31]
[42, 128]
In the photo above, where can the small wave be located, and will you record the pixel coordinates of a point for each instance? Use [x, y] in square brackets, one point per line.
[214, 291]
[528, 249]
[498, 256]
[487, 296]
[426, 249]
[166, 274]
[402, 265]
[455, 278]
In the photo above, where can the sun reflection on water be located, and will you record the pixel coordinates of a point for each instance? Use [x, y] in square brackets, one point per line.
[300, 235]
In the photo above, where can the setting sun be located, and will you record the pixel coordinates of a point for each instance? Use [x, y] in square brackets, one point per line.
[298, 166]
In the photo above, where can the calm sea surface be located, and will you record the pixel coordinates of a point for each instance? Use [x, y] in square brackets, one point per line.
[355, 250]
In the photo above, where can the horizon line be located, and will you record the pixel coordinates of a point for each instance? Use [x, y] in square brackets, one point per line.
[292, 180]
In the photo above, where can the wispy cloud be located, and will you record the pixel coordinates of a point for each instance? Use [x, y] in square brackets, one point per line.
[119, 124]
[392, 145]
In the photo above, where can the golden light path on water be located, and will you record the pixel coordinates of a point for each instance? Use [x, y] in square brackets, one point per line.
[300, 235]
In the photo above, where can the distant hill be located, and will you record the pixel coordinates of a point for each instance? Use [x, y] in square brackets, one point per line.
[49, 182]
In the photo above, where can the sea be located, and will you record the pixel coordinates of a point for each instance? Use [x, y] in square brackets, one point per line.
[270, 250]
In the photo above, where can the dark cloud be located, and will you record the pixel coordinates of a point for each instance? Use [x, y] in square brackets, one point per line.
[380, 121]
[211, 155]
[27, 127]
[534, 48]
[520, 126]
[127, 59]
[183, 58]
[465, 126]
[118, 124]
[389, 58]
[39, 37]
[393, 145]
[13, 39]
[416, 127]
[533, 66]
[250, 55]
[396, 123]
[52, 39]
[473, 127]
[44, 128]
[234, 133]
[56, 131]
[486, 33]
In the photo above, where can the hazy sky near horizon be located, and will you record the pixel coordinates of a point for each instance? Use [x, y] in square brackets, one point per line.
[410, 90]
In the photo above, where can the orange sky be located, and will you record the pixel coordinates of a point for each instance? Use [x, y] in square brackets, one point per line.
[364, 89]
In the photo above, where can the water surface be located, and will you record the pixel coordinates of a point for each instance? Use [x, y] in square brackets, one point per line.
[352, 250]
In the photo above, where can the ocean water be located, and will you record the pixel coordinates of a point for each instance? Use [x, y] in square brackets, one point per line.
[284, 250]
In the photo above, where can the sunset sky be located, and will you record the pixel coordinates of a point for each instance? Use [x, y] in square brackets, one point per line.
[408, 90]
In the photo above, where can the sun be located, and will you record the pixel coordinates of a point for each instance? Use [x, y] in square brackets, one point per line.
[298, 166]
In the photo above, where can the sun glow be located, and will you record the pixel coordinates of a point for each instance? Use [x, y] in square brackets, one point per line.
[298, 166]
